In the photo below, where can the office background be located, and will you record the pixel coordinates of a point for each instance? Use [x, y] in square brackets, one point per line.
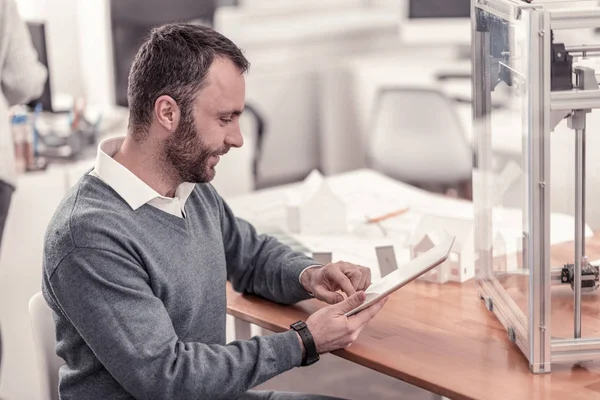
[329, 82]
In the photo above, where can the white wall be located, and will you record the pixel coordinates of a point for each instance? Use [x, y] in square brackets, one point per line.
[62, 41]
[95, 49]
[289, 51]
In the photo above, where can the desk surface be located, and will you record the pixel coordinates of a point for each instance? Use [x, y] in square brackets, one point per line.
[443, 339]
[438, 337]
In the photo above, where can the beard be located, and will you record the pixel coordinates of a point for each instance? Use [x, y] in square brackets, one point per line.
[188, 155]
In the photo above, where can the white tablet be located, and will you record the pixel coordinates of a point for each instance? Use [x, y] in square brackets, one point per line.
[405, 274]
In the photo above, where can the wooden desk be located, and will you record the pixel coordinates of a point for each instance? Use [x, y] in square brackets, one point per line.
[443, 339]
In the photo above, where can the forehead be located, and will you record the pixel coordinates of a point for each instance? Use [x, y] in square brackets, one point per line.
[225, 87]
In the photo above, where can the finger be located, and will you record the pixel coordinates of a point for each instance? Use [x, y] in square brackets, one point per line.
[362, 318]
[347, 267]
[365, 281]
[357, 275]
[357, 333]
[368, 281]
[359, 330]
[351, 303]
[360, 281]
[363, 284]
[322, 293]
[356, 278]
[342, 281]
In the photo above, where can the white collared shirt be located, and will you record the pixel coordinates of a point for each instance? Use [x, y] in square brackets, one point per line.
[131, 188]
[135, 191]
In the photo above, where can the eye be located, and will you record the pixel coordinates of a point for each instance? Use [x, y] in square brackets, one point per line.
[226, 120]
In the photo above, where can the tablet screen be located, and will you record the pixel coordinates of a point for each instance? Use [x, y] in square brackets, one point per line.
[406, 273]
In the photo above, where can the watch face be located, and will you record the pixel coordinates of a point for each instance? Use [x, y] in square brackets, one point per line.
[298, 325]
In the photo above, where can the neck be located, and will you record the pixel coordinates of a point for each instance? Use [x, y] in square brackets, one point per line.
[146, 161]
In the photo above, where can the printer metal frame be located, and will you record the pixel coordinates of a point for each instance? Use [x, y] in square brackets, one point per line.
[543, 108]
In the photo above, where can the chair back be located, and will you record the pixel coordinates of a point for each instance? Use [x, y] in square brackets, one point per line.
[44, 346]
[417, 137]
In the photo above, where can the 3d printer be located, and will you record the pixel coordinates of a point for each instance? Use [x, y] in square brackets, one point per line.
[514, 46]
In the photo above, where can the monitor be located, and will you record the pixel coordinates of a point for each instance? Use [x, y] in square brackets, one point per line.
[132, 20]
[439, 9]
[436, 22]
[37, 31]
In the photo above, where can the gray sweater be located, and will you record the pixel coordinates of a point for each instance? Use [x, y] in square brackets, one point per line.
[139, 297]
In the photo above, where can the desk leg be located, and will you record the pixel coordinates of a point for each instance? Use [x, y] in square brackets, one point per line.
[242, 329]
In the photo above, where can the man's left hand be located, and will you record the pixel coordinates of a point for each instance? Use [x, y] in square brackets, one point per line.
[324, 282]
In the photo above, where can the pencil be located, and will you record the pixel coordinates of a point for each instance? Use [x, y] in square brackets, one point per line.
[393, 214]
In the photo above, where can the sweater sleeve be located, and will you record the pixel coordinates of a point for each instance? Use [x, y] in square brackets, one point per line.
[22, 76]
[109, 300]
[260, 264]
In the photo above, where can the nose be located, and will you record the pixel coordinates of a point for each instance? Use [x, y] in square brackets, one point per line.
[235, 138]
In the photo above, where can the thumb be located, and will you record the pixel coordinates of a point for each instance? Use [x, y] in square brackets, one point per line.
[351, 302]
[328, 296]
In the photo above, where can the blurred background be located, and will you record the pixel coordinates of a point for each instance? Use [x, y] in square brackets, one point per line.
[334, 85]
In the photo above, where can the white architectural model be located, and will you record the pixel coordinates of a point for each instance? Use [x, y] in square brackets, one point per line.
[433, 230]
[315, 209]
[460, 266]
[505, 254]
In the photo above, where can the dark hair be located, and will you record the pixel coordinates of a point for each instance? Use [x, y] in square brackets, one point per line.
[174, 60]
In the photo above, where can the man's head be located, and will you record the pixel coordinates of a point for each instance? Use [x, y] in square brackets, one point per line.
[187, 89]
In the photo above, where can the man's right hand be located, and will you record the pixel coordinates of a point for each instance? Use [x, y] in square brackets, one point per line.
[332, 330]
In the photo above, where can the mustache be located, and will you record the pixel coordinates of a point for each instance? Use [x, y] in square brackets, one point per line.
[222, 151]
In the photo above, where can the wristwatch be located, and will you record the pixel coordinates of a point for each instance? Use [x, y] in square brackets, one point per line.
[310, 350]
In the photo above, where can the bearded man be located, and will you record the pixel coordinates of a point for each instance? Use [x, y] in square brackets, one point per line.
[138, 254]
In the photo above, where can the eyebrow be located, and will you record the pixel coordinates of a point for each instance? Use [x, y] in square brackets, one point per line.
[232, 112]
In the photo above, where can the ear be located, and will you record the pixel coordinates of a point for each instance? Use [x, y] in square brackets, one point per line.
[167, 113]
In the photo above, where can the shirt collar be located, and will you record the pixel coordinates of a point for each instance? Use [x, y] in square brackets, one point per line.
[127, 185]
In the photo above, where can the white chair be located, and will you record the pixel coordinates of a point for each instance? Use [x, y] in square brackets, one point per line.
[417, 138]
[43, 343]
[49, 363]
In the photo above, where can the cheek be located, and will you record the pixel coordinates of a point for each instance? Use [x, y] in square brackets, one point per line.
[214, 137]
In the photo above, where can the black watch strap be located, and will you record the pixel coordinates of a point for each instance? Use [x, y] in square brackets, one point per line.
[310, 349]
